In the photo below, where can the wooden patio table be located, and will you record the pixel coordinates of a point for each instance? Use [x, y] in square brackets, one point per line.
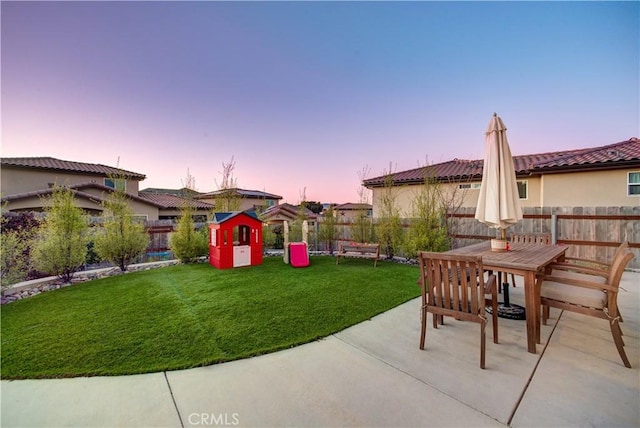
[525, 260]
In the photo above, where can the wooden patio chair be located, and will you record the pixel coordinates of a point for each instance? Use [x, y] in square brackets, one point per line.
[524, 238]
[587, 296]
[454, 286]
[585, 269]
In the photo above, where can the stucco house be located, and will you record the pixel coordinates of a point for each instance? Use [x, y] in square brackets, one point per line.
[350, 211]
[589, 177]
[26, 182]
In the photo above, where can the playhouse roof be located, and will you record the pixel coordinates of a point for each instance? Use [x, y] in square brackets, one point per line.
[222, 217]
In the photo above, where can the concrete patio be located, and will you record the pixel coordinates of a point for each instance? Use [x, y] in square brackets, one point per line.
[373, 374]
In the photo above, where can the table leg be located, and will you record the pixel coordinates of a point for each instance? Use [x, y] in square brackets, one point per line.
[537, 306]
[533, 316]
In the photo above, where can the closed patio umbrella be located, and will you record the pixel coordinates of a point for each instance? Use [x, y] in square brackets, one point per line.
[499, 203]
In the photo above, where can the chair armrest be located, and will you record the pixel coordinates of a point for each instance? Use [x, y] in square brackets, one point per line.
[600, 265]
[579, 283]
[580, 269]
[490, 285]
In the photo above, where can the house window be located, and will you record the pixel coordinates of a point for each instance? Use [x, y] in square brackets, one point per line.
[633, 184]
[523, 189]
[474, 186]
[115, 183]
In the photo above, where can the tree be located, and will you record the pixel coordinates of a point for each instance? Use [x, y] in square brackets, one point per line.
[296, 226]
[314, 206]
[187, 243]
[61, 246]
[228, 199]
[427, 230]
[389, 225]
[361, 228]
[122, 238]
[327, 231]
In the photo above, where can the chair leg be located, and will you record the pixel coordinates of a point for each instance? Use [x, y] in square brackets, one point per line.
[482, 343]
[423, 329]
[617, 338]
[494, 318]
[513, 280]
[545, 314]
[617, 325]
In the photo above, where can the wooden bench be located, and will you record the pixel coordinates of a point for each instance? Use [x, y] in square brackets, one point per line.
[367, 251]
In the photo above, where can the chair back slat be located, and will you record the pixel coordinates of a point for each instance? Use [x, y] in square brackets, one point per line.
[454, 286]
[531, 238]
[452, 282]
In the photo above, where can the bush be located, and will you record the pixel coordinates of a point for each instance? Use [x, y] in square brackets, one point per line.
[187, 243]
[18, 230]
[122, 238]
[61, 247]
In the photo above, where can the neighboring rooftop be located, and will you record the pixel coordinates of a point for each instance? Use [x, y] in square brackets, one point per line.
[622, 154]
[353, 206]
[287, 210]
[54, 164]
[244, 193]
[166, 200]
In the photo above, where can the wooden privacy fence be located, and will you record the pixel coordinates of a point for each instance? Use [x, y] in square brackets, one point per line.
[590, 232]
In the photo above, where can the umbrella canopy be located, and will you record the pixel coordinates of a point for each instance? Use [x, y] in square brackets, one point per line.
[498, 202]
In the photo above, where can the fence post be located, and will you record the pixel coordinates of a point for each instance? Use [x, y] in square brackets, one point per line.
[554, 229]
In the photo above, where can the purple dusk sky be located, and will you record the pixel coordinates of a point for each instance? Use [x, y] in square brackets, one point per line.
[305, 95]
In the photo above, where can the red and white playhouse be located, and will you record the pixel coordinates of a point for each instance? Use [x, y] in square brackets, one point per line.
[235, 239]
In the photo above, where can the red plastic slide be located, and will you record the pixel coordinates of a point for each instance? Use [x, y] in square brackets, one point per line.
[298, 256]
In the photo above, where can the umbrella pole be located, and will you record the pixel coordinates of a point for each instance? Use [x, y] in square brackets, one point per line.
[505, 284]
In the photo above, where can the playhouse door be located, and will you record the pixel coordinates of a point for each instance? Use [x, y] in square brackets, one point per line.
[241, 255]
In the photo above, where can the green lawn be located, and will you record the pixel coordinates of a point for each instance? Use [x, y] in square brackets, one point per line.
[193, 315]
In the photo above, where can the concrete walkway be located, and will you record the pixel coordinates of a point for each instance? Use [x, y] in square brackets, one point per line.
[373, 374]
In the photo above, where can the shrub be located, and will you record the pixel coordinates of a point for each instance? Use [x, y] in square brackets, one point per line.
[61, 246]
[187, 243]
[122, 238]
[18, 231]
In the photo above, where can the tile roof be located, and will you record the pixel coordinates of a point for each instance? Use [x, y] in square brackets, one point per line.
[287, 210]
[78, 188]
[178, 192]
[48, 191]
[256, 194]
[49, 163]
[622, 154]
[166, 201]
